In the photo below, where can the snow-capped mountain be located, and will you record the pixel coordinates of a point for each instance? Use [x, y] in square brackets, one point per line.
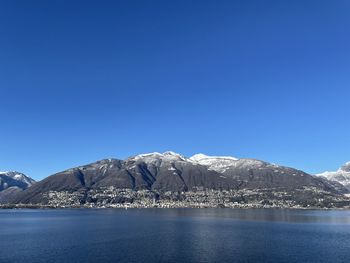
[342, 175]
[19, 177]
[14, 179]
[173, 172]
[12, 183]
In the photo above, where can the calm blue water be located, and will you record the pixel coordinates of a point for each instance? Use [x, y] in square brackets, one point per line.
[174, 235]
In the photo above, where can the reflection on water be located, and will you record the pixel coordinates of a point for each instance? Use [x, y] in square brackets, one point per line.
[174, 235]
[276, 215]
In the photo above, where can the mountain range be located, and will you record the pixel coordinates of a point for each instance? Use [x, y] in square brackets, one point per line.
[158, 174]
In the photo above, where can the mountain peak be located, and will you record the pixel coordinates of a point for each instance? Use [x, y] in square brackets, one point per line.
[342, 175]
[346, 167]
[12, 182]
[18, 177]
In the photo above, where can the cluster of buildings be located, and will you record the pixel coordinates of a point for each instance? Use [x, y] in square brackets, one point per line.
[246, 198]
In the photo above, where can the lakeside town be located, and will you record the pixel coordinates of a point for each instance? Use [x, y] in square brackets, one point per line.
[110, 197]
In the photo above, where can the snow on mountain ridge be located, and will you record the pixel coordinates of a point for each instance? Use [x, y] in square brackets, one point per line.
[345, 167]
[201, 156]
[156, 156]
[342, 175]
[215, 163]
[19, 177]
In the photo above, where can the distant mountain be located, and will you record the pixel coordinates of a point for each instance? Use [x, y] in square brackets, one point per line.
[12, 183]
[342, 175]
[170, 172]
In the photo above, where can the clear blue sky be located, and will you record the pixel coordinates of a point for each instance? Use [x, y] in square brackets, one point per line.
[86, 80]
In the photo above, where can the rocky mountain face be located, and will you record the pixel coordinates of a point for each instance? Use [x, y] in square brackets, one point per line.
[158, 174]
[252, 174]
[11, 183]
[342, 175]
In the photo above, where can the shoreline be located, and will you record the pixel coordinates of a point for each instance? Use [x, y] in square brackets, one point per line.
[50, 207]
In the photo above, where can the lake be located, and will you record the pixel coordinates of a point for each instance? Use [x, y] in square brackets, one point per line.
[174, 235]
